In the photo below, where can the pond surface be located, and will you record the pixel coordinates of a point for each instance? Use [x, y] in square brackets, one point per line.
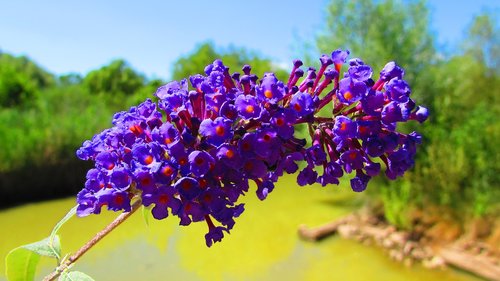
[263, 245]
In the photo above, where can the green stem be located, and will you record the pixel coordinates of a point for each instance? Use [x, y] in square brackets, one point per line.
[65, 265]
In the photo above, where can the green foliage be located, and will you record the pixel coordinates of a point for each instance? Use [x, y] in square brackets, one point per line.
[21, 262]
[461, 167]
[74, 276]
[458, 165]
[50, 128]
[20, 80]
[116, 78]
[380, 31]
[397, 203]
[233, 57]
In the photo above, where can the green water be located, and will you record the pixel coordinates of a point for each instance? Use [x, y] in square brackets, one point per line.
[263, 245]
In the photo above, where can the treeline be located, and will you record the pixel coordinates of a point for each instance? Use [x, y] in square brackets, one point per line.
[44, 118]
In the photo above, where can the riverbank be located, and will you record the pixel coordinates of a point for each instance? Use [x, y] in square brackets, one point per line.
[43, 182]
[435, 243]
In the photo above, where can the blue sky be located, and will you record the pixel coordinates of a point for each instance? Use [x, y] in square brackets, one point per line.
[78, 36]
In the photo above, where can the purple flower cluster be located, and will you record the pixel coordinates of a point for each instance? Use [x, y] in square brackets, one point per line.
[193, 153]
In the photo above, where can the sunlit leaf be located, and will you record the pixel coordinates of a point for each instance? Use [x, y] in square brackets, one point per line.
[74, 276]
[45, 248]
[146, 214]
[21, 264]
[56, 228]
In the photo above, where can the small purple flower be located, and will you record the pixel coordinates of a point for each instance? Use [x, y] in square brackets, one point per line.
[316, 154]
[228, 111]
[390, 71]
[166, 134]
[218, 131]
[282, 122]
[166, 172]
[359, 182]
[332, 173]
[350, 91]
[247, 145]
[106, 160]
[247, 107]
[87, 204]
[398, 90]
[421, 114]
[115, 199]
[270, 90]
[215, 234]
[267, 145]
[254, 168]
[264, 188]
[162, 198]
[373, 102]
[188, 187]
[229, 154]
[352, 160]
[302, 103]
[344, 127]
[325, 60]
[368, 128]
[372, 169]
[144, 155]
[200, 162]
[171, 88]
[307, 176]
[374, 146]
[398, 163]
[392, 112]
[120, 178]
[339, 57]
[356, 62]
[360, 73]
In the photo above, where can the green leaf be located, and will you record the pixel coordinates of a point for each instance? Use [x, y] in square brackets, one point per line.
[56, 228]
[146, 214]
[74, 276]
[21, 264]
[45, 248]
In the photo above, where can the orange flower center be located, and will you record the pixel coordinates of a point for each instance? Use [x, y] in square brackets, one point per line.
[163, 199]
[249, 109]
[148, 160]
[268, 94]
[280, 122]
[219, 130]
[229, 154]
[343, 126]
[168, 171]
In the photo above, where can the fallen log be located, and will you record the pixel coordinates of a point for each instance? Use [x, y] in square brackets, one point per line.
[401, 248]
[481, 266]
[320, 232]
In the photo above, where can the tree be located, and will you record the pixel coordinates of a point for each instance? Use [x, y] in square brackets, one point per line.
[381, 31]
[20, 80]
[233, 57]
[458, 166]
[116, 78]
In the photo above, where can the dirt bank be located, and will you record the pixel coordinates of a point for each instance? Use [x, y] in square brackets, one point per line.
[433, 243]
